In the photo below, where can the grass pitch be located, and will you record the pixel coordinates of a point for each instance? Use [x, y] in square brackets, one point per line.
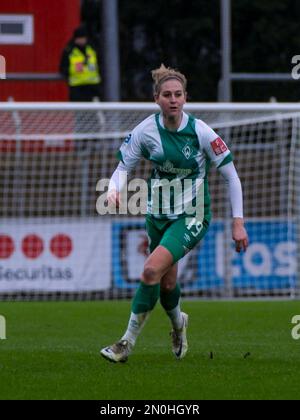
[237, 350]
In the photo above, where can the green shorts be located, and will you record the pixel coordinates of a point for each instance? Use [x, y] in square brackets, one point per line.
[177, 236]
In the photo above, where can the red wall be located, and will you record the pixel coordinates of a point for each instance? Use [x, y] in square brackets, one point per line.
[54, 22]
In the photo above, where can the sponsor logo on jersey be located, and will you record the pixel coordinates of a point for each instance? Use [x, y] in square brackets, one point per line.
[168, 167]
[218, 146]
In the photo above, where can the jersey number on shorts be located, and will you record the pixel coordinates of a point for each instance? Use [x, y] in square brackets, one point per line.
[196, 225]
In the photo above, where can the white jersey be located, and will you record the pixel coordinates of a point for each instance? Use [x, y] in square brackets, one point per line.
[189, 148]
[183, 154]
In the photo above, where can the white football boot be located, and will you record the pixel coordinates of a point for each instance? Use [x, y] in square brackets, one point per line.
[117, 352]
[179, 340]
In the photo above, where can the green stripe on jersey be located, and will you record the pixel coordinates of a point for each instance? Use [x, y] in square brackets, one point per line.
[228, 159]
[119, 156]
[179, 162]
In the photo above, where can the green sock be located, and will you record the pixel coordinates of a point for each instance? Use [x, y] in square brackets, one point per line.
[145, 298]
[143, 302]
[170, 302]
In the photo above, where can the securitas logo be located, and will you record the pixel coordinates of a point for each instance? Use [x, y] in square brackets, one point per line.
[34, 257]
[32, 246]
[54, 255]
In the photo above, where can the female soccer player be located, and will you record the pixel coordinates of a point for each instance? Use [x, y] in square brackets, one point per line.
[181, 148]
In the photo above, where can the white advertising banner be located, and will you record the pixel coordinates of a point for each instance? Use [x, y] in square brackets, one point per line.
[55, 255]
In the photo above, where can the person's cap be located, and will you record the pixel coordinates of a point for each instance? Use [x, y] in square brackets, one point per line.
[80, 32]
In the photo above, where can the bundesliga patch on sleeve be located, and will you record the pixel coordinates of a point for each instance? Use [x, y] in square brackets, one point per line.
[218, 146]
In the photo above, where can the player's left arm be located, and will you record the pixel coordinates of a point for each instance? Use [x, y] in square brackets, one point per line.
[239, 233]
[218, 152]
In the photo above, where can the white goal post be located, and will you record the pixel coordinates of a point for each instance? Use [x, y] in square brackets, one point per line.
[54, 244]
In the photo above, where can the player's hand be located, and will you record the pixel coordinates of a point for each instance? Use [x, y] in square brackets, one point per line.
[113, 198]
[239, 235]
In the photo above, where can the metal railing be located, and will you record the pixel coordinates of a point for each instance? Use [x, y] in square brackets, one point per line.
[34, 76]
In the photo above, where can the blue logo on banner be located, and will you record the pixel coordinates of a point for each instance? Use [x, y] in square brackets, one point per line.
[269, 263]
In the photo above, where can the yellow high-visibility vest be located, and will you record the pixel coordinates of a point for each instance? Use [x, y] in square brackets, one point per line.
[81, 73]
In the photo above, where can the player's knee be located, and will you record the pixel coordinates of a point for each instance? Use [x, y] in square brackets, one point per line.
[150, 274]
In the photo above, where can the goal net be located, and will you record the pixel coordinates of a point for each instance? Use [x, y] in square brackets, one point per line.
[55, 245]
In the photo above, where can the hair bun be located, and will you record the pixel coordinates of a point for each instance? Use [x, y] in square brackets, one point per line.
[164, 73]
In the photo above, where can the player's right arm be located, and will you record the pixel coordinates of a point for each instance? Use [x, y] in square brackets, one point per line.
[129, 155]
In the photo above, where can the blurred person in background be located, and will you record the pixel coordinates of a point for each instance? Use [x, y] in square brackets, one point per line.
[79, 65]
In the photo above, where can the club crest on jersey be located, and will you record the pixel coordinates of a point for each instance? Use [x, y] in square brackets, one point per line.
[187, 151]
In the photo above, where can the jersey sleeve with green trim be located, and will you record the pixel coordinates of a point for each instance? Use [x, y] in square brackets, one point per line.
[135, 145]
[214, 147]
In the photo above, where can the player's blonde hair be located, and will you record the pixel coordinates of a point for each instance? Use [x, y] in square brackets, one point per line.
[162, 74]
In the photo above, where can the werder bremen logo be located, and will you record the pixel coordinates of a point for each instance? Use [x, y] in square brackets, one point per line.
[187, 151]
